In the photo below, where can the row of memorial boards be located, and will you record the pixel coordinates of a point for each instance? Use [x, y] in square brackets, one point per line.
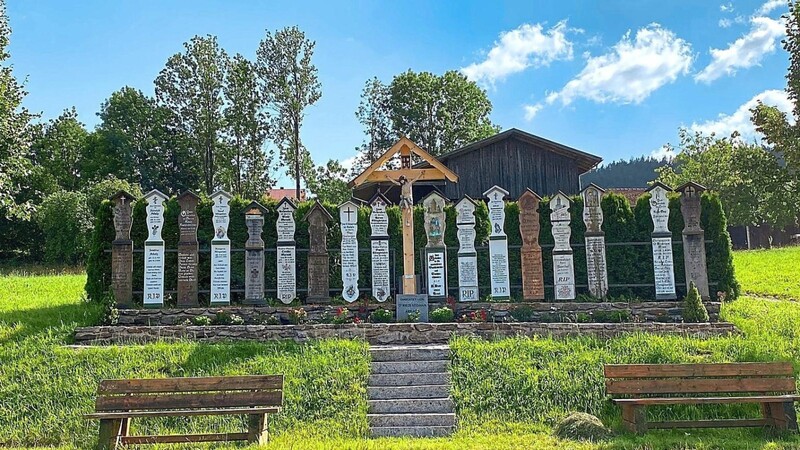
[435, 251]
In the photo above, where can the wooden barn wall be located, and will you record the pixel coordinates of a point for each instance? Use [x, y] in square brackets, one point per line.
[513, 165]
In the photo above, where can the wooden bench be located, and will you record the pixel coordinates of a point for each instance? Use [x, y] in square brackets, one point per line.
[769, 384]
[118, 401]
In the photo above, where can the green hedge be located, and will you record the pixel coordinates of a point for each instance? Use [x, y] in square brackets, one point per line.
[626, 264]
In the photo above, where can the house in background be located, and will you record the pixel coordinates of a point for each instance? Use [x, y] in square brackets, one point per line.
[280, 193]
[513, 159]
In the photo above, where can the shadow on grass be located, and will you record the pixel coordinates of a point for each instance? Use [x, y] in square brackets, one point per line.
[59, 319]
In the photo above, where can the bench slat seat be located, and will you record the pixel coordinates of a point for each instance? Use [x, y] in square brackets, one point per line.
[119, 401]
[705, 400]
[183, 412]
[771, 385]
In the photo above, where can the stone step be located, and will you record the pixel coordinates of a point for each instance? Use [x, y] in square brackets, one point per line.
[416, 405]
[410, 353]
[408, 379]
[412, 420]
[408, 392]
[409, 367]
[411, 431]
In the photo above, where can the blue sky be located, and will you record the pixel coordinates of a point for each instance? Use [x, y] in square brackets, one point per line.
[613, 78]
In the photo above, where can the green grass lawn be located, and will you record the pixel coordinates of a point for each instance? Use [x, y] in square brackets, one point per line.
[772, 273]
[508, 393]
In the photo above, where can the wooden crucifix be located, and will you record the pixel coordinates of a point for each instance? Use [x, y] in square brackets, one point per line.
[405, 177]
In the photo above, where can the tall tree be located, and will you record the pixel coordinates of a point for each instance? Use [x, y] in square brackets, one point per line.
[440, 113]
[755, 188]
[15, 133]
[133, 143]
[330, 183]
[190, 87]
[782, 135]
[247, 130]
[374, 114]
[291, 85]
[57, 152]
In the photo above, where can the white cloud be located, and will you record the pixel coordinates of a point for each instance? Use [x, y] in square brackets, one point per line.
[739, 121]
[726, 7]
[532, 110]
[769, 6]
[516, 50]
[632, 70]
[744, 52]
[724, 23]
[665, 151]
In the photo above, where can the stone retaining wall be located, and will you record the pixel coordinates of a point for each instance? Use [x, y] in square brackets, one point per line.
[500, 312]
[393, 333]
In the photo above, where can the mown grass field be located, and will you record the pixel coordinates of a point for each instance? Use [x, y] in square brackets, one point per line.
[508, 393]
[772, 273]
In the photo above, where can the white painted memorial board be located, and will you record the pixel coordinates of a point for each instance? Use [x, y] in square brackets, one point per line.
[286, 252]
[563, 264]
[663, 262]
[154, 251]
[379, 223]
[435, 250]
[498, 244]
[348, 222]
[467, 256]
[221, 250]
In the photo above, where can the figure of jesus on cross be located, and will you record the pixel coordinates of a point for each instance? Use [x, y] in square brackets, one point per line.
[405, 178]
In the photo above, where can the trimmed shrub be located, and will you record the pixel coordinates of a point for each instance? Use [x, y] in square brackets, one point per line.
[582, 427]
[694, 311]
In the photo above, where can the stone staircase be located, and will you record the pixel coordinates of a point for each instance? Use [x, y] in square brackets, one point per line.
[409, 391]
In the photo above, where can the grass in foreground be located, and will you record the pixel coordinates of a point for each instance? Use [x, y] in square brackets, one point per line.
[508, 393]
[769, 273]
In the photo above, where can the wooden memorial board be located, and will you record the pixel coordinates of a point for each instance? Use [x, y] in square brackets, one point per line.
[531, 251]
[379, 242]
[318, 260]
[254, 255]
[286, 251]
[663, 263]
[498, 244]
[154, 251]
[348, 221]
[220, 250]
[467, 256]
[435, 250]
[563, 264]
[187, 249]
[122, 250]
[694, 241]
[596, 270]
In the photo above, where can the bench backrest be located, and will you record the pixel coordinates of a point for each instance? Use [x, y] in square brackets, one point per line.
[738, 378]
[189, 393]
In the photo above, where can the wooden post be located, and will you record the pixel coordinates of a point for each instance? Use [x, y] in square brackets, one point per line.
[257, 428]
[634, 418]
[110, 430]
[409, 279]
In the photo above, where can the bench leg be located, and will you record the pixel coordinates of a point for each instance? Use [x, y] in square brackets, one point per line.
[634, 418]
[110, 432]
[257, 429]
[782, 416]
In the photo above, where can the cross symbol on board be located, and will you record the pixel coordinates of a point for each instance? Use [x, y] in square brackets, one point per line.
[348, 211]
[690, 191]
[496, 194]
